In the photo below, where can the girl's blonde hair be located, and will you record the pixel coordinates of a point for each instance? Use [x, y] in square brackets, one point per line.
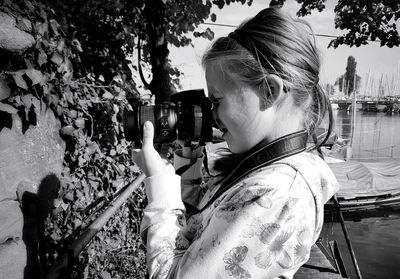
[273, 42]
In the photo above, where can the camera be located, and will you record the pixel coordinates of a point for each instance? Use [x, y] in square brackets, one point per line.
[187, 117]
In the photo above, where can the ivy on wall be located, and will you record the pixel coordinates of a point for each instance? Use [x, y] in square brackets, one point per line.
[97, 159]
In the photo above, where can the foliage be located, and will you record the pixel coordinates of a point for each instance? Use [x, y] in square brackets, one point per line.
[373, 21]
[364, 20]
[109, 31]
[78, 69]
[101, 31]
[97, 161]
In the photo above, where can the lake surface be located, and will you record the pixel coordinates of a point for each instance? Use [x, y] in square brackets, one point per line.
[376, 240]
[376, 135]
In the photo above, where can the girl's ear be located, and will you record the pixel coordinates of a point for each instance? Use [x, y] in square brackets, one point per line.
[273, 89]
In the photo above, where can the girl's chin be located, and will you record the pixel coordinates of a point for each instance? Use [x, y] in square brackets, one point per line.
[233, 146]
[236, 147]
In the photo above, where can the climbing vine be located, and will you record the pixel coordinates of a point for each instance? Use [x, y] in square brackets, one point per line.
[96, 162]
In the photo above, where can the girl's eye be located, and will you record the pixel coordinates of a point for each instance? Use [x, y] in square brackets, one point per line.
[214, 100]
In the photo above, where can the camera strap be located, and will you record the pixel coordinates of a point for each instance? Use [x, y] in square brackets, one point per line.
[261, 155]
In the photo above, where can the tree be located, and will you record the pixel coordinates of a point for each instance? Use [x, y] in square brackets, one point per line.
[364, 20]
[350, 73]
[346, 81]
[109, 31]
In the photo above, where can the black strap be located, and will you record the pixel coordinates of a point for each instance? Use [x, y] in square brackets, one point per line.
[260, 156]
[184, 168]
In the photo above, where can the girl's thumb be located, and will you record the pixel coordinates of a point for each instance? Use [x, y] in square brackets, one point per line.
[148, 134]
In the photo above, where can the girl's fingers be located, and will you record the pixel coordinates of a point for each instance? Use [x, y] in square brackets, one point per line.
[148, 135]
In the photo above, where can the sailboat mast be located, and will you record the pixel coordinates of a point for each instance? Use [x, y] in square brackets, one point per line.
[354, 108]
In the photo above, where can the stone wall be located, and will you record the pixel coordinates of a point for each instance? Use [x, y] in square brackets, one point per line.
[30, 160]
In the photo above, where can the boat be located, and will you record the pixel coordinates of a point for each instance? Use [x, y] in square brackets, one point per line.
[367, 184]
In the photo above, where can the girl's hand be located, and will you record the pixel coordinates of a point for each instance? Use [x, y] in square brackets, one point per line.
[191, 151]
[148, 159]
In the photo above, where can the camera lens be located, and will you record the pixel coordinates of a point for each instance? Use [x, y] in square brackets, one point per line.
[130, 125]
[162, 116]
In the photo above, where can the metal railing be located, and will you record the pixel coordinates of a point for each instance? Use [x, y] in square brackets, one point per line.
[64, 267]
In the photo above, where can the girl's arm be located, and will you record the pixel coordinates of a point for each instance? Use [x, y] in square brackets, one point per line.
[258, 231]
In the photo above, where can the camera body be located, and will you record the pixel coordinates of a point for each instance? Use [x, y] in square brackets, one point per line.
[187, 117]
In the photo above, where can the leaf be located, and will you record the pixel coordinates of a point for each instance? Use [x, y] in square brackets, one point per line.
[67, 77]
[68, 96]
[57, 202]
[4, 90]
[28, 63]
[81, 161]
[77, 44]
[19, 80]
[43, 13]
[57, 59]
[105, 274]
[69, 196]
[60, 46]
[8, 108]
[109, 159]
[35, 76]
[78, 223]
[73, 113]
[80, 122]
[43, 29]
[108, 95]
[42, 58]
[54, 26]
[68, 130]
[122, 167]
[93, 147]
[24, 24]
[64, 205]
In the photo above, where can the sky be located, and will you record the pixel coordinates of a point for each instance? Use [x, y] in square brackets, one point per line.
[372, 60]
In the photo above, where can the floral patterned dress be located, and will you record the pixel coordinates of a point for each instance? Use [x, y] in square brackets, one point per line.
[262, 227]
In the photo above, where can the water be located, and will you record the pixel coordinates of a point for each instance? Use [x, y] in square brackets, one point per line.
[375, 135]
[376, 240]
[376, 243]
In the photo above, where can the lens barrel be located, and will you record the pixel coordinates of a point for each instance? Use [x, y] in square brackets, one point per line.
[162, 116]
[130, 122]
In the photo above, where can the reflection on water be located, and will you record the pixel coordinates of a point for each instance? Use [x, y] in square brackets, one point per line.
[374, 136]
[376, 240]
[376, 243]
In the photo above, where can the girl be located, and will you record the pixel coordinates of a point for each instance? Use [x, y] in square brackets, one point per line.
[261, 215]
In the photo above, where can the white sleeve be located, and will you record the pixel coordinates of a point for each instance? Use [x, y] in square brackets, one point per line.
[191, 179]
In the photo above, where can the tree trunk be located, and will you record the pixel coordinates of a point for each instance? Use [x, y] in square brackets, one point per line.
[160, 84]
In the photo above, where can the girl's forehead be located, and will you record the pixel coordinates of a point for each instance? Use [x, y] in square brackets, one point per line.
[218, 81]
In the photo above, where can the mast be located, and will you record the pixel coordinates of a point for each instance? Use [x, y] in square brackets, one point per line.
[366, 84]
[354, 109]
[380, 87]
[343, 85]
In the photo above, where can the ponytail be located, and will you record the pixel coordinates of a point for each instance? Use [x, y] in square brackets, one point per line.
[321, 108]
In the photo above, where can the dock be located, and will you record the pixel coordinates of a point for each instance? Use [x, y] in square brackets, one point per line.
[318, 266]
[381, 104]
